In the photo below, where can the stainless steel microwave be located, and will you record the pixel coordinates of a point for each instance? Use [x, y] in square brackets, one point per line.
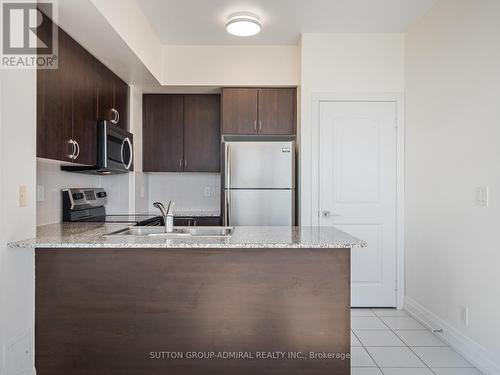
[115, 151]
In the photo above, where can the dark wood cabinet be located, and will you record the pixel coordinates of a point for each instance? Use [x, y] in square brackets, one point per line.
[54, 104]
[102, 311]
[277, 111]
[202, 133]
[181, 133]
[163, 117]
[268, 111]
[121, 102]
[239, 110]
[70, 101]
[84, 104]
[105, 94]
[113, 96]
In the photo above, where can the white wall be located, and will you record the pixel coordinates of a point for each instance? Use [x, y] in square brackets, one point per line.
[17, 167]
[127, 19]
[453, 133]
[186, 190]
[230, 65]
[141, 193]
[342, 63]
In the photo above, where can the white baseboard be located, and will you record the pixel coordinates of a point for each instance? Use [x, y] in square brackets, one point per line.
[468, 348]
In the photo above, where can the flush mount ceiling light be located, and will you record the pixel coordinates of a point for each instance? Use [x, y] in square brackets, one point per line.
[243, 24]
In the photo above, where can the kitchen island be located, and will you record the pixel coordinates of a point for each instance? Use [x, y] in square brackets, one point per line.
[265, 300]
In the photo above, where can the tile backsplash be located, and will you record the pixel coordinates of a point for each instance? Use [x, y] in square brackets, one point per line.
[50, 181]
[188, 190]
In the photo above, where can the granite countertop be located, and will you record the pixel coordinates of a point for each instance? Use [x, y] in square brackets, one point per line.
[90, 235]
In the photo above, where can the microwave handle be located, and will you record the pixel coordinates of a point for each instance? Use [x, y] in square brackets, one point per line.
[127, 140]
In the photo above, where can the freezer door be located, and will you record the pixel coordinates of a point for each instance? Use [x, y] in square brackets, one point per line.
[259, 165]
[259, 207]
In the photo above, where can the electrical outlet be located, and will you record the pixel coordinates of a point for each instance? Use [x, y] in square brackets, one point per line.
[464, 310]
[23, 199]
[40, 193]
[142, 191]
[482, 196]
[208, 191]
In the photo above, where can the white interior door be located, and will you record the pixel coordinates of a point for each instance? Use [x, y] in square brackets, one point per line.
[357, 191]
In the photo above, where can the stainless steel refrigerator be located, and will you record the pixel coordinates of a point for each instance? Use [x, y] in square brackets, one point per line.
[259, 183]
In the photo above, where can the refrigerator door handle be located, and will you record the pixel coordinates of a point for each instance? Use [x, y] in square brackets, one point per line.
[228, 208]
[228, 165]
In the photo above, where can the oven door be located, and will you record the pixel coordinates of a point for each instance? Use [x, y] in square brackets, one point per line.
[116, 149]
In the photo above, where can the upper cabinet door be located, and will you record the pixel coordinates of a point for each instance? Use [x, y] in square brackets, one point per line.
[54, 104]
[106, 96]
[84, 117]
[163, 133]
[121, 92]
[277, 111]
[202, 133]
[239, 110]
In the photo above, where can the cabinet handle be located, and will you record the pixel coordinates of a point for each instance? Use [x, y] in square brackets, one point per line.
[195, 222]
[73, 149]
[260, 126]
[255, 125]
[116, 116]
[77, 151]
[185, 163]
[180, 163]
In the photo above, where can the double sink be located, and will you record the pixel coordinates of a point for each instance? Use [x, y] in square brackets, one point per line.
[176, 233]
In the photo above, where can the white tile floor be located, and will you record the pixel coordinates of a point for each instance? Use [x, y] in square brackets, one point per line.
[389, 342]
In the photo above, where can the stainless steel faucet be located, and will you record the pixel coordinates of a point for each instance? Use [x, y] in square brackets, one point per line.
[168, 215]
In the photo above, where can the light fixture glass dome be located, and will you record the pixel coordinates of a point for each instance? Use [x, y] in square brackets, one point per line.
[243, 24]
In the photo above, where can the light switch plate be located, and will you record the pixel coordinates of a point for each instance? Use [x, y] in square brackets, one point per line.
[208, 191]
[23, 199]
[482, 196]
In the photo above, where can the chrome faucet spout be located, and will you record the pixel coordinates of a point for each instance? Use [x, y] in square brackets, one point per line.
[168, 216]
[170, 208]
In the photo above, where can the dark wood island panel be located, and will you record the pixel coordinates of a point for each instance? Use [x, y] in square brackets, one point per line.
[108, 311]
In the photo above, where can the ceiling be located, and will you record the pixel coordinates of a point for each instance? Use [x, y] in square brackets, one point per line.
[201, 22]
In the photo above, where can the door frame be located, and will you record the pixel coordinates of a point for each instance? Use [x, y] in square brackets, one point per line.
[398, 99]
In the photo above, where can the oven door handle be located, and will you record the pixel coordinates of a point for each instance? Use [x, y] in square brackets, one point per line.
[127, 141]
